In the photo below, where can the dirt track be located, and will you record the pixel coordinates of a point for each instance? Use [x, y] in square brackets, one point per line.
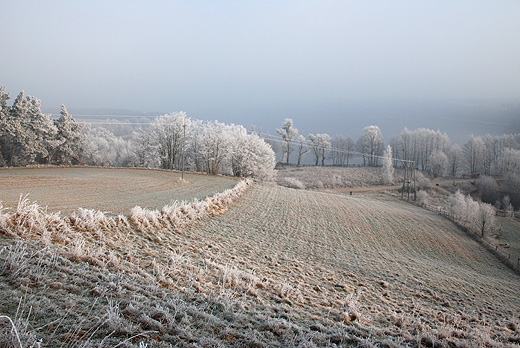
[108, 190]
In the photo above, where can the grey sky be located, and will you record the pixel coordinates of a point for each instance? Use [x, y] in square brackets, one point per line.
[211, 58]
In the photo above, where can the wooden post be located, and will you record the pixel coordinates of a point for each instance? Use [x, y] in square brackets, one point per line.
[404, 179]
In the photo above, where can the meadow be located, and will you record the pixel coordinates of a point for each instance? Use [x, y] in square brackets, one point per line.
[258, 265]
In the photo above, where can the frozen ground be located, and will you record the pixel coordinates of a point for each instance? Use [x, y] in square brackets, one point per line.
[112, 190]
[276, 267]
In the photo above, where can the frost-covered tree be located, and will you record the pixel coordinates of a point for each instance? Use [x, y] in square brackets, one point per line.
[102, 148]
[341, 150]
[215, 146]
[194, 158]
[15, 129]
[404, 145]
[288, 133]
[168, 136]
[430, 142]
[485, 219]
[4, 116]
[69, 139]
[455, 158]
[319, 144]
[438, 162]
[418, 146]
[504, 144]
[251, 155]
[4, 97]
[212, 147]
[371, 145]
[457, 206]
[511, 187]
[303, 148]
[145, 151]
[474, 151]
[27, 134]
[479, 217]
[42, 133]
[387, 174]
[511, 161]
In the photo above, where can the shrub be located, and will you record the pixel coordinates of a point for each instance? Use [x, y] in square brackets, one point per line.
[478, 217]
[488, 189]
[421, 182]
[423, 198]
[293, 183]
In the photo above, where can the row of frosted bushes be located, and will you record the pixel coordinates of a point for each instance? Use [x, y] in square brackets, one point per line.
[29, 220]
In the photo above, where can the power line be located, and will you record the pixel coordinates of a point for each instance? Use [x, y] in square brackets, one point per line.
[266, 136]
[349, 152]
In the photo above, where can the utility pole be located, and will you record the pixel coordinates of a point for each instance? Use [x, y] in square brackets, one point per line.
[409, 175]
[183, 146]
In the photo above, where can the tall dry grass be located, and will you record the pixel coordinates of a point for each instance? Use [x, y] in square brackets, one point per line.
[49, 246]
[31, 221]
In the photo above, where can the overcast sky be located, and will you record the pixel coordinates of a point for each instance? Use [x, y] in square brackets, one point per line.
[243, 58]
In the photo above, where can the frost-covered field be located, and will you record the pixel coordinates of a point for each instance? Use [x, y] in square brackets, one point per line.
[330, 177]
[108, 190]
[273, 267]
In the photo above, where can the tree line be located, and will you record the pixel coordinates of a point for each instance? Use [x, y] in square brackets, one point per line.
[172, 141]
[493, 159]
[27, 136]
[431, 151]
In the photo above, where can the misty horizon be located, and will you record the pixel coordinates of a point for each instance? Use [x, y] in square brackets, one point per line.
[330, 66]
[458, 119]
